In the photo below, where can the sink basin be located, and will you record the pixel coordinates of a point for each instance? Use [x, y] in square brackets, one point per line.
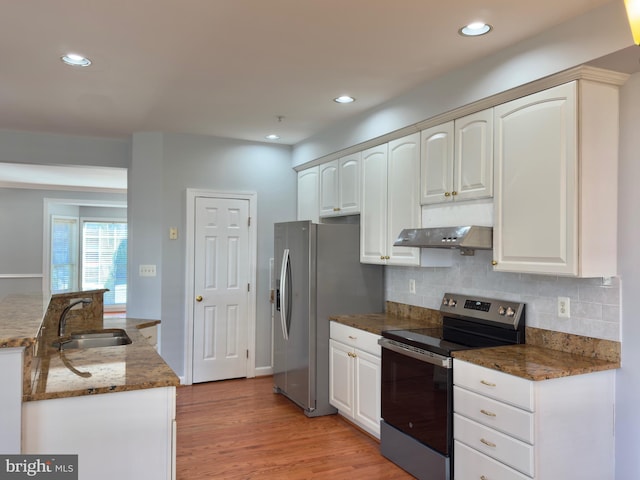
[96, 338]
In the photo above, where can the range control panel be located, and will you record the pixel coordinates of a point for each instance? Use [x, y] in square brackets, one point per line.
[504, 312]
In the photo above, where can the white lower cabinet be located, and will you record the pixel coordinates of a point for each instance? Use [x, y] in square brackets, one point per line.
[124, 435]
[510, 428]
[11, 375]
[355, 376]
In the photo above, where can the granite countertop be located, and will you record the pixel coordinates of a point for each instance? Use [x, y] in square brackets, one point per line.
[49, 373]
[90, 371]
[378, 322]
[534, 362]
[20, 319]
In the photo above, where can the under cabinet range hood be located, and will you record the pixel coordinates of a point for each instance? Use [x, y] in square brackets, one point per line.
[466, 238]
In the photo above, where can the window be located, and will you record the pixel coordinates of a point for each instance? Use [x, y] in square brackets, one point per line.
[104, 259]
[64, 254]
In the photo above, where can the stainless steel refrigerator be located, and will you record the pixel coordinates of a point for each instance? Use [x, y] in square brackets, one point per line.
[318, 274]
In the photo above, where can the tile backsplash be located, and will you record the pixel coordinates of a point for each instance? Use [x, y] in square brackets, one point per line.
[594, 302]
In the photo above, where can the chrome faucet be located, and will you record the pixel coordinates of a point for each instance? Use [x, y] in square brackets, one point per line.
[63, 316]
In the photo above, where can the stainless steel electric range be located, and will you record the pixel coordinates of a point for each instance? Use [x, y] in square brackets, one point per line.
[416, 431]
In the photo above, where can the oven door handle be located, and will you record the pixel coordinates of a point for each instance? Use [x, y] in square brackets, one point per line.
[416, 353]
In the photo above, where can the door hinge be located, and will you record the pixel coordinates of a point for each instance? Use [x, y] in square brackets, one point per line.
[247, 353]
[248, 287]
[249, 221]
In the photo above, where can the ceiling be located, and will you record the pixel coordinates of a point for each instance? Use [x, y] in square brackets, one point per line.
[230, 68]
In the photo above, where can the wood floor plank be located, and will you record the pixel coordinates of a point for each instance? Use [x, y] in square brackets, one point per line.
[241, 430]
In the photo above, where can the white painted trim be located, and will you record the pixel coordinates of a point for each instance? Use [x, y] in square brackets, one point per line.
[46, 230]
[21, 275]
[252, 198]
[264, 371]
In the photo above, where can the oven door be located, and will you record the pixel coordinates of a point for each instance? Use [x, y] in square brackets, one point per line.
[417, 388]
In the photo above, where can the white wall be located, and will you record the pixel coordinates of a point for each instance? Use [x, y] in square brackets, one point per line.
[163, 167]
[585, 38]
[628, 378]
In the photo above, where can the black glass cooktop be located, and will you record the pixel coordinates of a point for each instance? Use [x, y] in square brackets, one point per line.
[429, 339]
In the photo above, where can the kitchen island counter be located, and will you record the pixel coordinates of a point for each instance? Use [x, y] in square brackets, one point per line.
[100, 370]
[49, 373]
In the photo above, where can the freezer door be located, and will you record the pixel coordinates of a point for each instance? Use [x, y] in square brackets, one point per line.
[293, 329]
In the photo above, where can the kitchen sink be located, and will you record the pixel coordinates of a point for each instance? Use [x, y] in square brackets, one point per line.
[92, 339]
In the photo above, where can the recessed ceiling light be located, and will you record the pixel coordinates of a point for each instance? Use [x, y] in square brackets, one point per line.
[344, 99]
[475, 29]
[75, 60]
[272, 136]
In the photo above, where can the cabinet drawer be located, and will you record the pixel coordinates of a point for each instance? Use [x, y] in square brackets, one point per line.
[503, 448]
[356, 338]
[501, 386]
[469, 464]
[510, 420]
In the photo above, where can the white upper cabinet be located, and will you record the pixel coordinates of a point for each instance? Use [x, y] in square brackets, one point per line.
[373, 207]
[555, 205]
[390, 201]
[457, 159]
[308, 194]
[340, 186]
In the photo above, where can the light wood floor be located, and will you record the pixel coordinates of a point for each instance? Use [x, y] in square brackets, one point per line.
[240, 429]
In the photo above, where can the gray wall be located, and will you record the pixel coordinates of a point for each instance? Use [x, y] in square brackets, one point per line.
[21, 211]
[163, 167]
[21, 241]
[54, 149]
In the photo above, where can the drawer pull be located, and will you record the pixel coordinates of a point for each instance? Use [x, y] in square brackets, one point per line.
[487, 413]
[482, 477]
[488, 443]
[352, 337]
[488, 384]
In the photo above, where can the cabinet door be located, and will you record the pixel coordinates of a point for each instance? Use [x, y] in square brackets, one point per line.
[349, 184]
[436, 163]
[367, 391]
[11, 373]
[329, 189]
[341, 377]
[473, 166]
[373, 206]
[308, 204]
[535, 201]
[403, 202]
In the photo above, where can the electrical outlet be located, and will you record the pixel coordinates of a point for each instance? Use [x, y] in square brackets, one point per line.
[147, 271]
[412, 286]
[564, 307]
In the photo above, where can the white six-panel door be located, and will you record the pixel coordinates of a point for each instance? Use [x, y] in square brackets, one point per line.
[221, 284]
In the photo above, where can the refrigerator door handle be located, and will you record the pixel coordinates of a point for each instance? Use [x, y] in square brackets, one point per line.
[284, 294]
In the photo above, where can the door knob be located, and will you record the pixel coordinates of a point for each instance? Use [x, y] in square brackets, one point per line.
[199, 298]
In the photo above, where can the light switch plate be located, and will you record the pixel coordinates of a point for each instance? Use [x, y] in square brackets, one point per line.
[147, 271]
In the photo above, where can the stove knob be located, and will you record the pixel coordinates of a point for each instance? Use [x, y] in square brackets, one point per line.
[445, 301]
[452, 302]
[502, 310]
[510, 312]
